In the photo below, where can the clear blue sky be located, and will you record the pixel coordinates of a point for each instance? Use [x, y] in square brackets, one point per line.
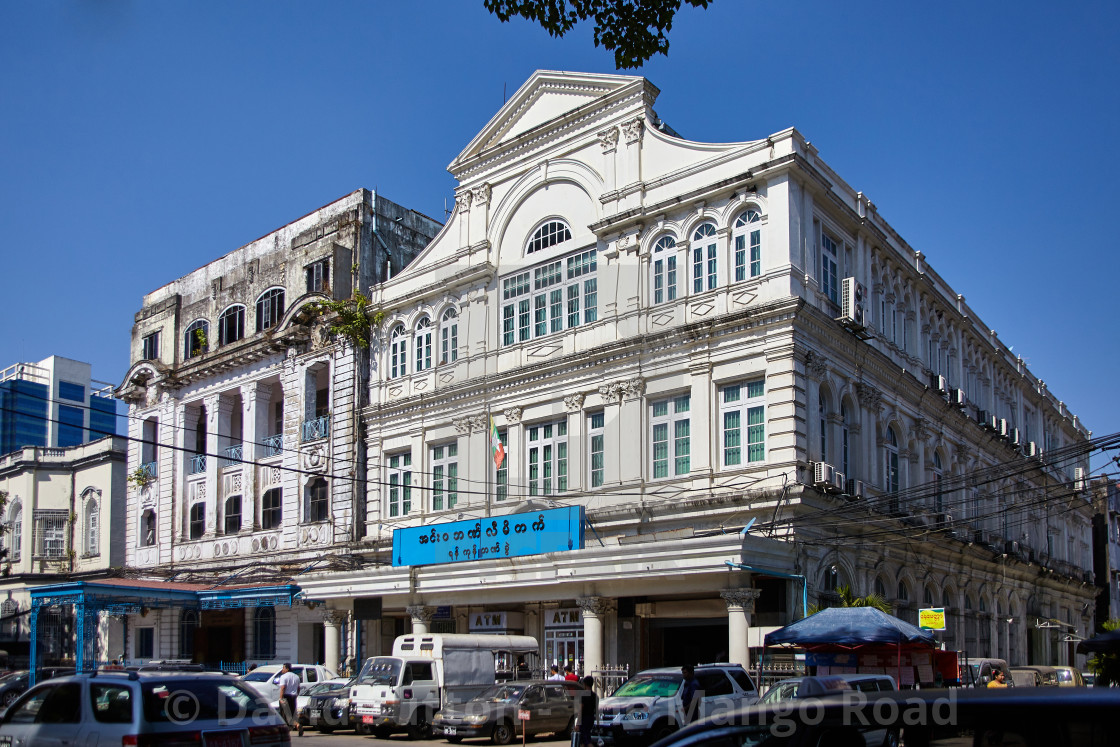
[140, 140]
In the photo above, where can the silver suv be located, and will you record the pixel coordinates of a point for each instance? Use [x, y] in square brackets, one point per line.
[648, 705]
[142, 709]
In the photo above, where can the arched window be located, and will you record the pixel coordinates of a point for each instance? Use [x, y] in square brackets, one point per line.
[938, 496]
[270, 307]
[928, 598]
[231, 325]
[271, 509]
[664, 267]
[880, 588]
[148, 528]
[705, 264]
[423, 344]
[197, 524]
[15, 530]
[449, 337]
[890, 461]
[747, 235]
[264, 633]
[398, 352]
[197, 338]
[317, 507]
[233, 514]
[188, 626]
[550, 234]
[903, 592]
[91, 520]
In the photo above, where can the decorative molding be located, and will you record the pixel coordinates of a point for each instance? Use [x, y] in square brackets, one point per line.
[513, 415]
[816, 365]
[479, 423]
[333, 617]
[744, 598]
[633, 130]
[869, 396]
[420, 613]
[314, 458]
[593, 606]
[462, 424]
[482, 196]
[608, 139]
[573, 402]
[464, 201]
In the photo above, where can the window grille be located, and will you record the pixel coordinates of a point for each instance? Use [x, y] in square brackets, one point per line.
[50, 533]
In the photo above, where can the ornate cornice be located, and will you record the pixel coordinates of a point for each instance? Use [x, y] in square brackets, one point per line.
[744, 598]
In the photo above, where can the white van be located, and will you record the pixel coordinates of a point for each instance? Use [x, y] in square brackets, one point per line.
[403, 691]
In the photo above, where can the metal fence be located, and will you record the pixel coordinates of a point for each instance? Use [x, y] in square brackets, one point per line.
[610, 678]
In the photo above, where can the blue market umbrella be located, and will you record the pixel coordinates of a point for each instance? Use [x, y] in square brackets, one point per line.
[851, 626]
[1106, 643]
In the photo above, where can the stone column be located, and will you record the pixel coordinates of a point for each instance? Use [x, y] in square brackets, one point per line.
[594, 609]
[740, 607]
[218, 410]
[421, 617]
[255, 397]
[332, 638]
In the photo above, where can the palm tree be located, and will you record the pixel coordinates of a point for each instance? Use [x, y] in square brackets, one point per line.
[847, 599]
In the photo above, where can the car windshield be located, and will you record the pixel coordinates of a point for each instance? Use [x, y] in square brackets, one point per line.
[186, 700]
[780, 691]
[325, 687]
[502, 694]
[650, 686]
[258, 676]
[380, 670]
[11, 676]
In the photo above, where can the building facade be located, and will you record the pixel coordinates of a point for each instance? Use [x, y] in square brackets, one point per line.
[245, 455]
[59, 510]
[53, 403]
[755, 390]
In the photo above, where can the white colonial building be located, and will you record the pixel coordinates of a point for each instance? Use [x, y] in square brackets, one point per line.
[246, 457]
[59, 507]
[751, 387]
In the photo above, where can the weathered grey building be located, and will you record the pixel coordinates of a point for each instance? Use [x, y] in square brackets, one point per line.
[247, 461]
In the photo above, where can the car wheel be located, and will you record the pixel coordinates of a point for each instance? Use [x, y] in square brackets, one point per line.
[662, 729]
[9, 698]
[503, 732]
[421, 728]
[566, 732]
[326, 729]
[360, 727]
[382, 732]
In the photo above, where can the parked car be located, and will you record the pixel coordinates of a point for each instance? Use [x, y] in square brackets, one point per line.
[978, 672]
[1089, 678]
[266, 680]
[14, 684]
[551, 706]
[648, 705]
[142, 709]
[1069, 677]
[1047, 676]
[935, 717]
[807, 687]
[326, 705]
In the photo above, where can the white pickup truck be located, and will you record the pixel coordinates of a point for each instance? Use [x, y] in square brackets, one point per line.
[266, 680]
[404, 691]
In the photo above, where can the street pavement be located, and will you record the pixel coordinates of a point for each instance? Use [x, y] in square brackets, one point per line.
[348, 738]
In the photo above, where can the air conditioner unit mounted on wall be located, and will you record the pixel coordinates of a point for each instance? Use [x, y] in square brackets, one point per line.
[1032, 450]
[1013, 436]
[1002, 428]
[839, 481]
[958, 398]
[1079, 478]
[853, 304]
[855, 489]
[823, 474]
[938, 383]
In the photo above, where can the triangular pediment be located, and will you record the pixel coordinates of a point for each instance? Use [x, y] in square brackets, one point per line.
[547, 96]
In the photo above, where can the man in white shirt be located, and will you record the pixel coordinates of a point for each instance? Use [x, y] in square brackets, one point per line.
[554, 673]
[289, 688]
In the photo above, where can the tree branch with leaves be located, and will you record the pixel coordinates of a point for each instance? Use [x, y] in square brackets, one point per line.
[634, 30]
[353, 320]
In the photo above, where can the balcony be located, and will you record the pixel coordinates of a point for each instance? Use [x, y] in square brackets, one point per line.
[197, 464]
[273, 446]
[231, 455]
[316, 428]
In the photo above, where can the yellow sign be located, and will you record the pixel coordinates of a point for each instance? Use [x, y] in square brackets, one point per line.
[932, 618]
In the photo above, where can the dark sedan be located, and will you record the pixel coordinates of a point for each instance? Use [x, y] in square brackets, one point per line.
[328, 707]
[497, 713]
[14, 684]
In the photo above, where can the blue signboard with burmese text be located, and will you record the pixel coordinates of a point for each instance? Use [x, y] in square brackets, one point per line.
[509, 536]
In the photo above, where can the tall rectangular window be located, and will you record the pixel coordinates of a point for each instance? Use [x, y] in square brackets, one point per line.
[501, 477]
[671, 436]
[50, 533]
[595, 423]
[829, 282]
[548, 457]
[400, 484]
[145, 643]
[549, 298]
[445, 476]
[71, 428]
[151, 347]
[743, 423]
[319, 276]
[271, 508]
